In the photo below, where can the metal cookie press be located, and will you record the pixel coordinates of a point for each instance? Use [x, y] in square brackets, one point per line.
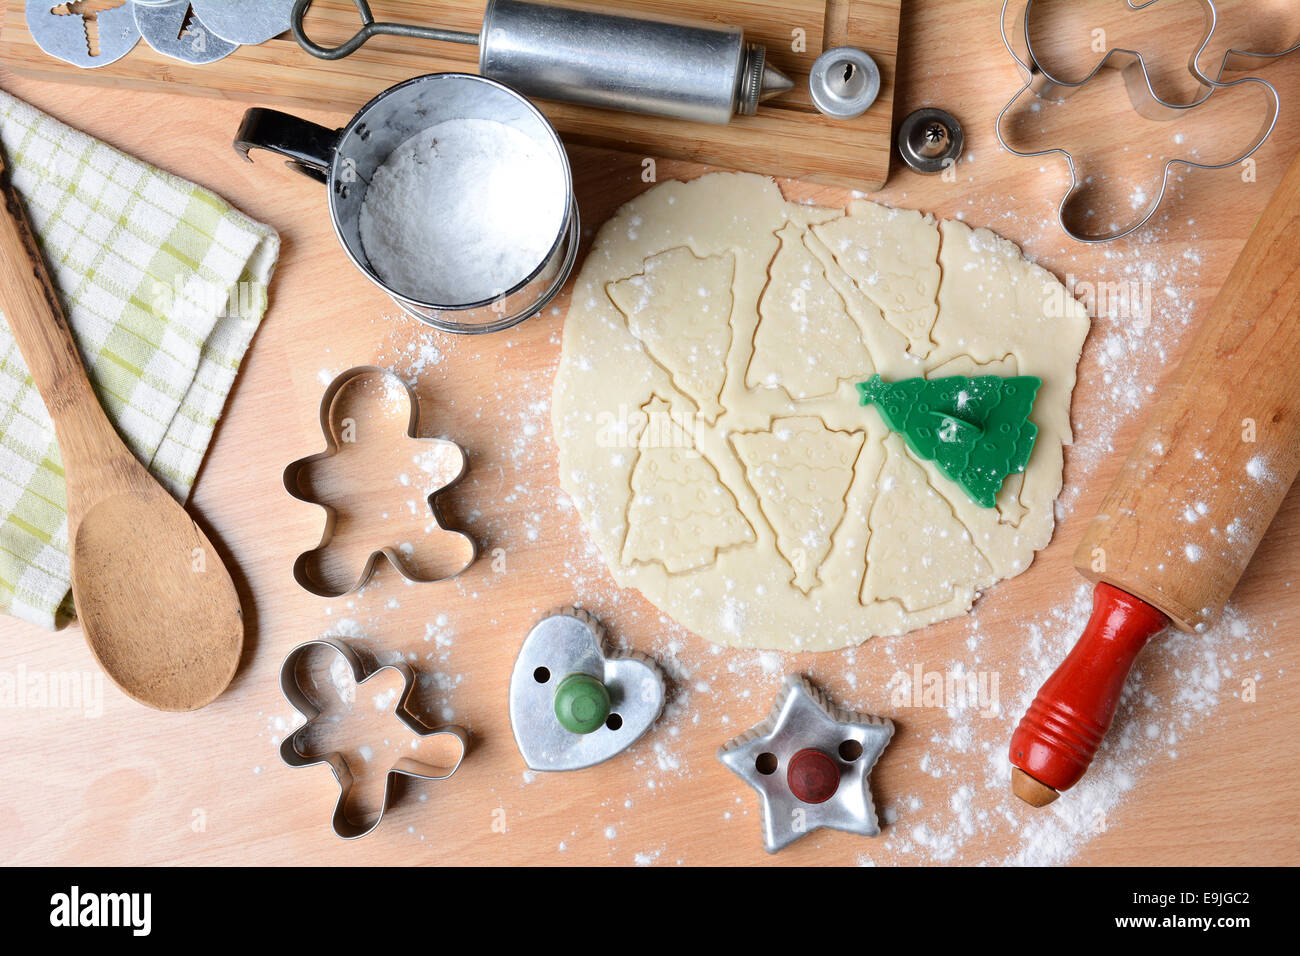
[693, 71]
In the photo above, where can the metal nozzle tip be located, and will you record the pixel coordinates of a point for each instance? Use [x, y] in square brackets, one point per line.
[774, 83]
[759, 81]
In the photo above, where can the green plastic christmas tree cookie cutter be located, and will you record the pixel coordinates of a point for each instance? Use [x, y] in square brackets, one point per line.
[976, 430]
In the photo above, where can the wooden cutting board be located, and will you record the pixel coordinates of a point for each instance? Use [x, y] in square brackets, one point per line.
[118, 784]
[788, 137]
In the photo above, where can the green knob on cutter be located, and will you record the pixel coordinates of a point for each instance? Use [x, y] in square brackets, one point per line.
[581, 704]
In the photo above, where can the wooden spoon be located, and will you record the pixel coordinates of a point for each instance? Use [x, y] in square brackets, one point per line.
[156, 604]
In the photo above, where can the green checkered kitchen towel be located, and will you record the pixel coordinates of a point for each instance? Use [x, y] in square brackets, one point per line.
[164, 285]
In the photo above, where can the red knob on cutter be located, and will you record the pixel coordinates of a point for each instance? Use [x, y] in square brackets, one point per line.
[1060, 733]
[813, 776]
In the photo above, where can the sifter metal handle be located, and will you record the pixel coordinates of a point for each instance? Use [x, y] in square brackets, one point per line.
[308, 146]
[369, 28]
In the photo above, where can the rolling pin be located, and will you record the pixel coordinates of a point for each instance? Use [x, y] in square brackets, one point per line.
[1190, 504]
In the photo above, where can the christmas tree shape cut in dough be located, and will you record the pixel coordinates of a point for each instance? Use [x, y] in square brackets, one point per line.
[806, 342]
[976, 430]
[918, 554]
[801, 472]
[892, 256]
[674, 284]
[680, 514]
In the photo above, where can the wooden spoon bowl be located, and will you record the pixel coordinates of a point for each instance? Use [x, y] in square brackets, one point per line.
[156, 604]
[172, 633]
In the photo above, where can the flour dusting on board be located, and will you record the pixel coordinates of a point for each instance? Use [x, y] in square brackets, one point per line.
[942, 789]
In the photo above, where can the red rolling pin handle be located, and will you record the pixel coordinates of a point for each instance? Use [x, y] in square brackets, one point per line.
[1060, 733]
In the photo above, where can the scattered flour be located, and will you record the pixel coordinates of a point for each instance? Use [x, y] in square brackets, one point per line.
[954, 810]
[942, 788]
[1194, 674]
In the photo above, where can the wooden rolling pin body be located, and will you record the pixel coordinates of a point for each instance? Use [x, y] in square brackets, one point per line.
[156, 604]
[1221, 447]
[1189, 506]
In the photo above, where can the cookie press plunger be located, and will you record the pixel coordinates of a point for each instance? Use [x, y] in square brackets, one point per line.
[1188, 509]
[693, 71]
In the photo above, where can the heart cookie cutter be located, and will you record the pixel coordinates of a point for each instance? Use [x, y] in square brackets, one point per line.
[1043, 84]
[290, 752]
[572, 705]
[295, 484]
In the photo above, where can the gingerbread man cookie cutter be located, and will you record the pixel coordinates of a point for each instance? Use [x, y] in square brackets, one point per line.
[295, 483]
[1043, 84]
[293, 754]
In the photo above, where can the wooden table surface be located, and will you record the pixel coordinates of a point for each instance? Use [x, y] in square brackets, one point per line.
[122, 784]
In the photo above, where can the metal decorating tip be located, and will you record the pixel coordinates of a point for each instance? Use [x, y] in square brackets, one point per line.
[774, 83]
[930, 140]
[844, 82]
[759, 80]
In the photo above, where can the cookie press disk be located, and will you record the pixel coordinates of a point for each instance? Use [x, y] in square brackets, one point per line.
[174, 29]
[245, 21]
[810, 762]
[571, 704]
[62, 32]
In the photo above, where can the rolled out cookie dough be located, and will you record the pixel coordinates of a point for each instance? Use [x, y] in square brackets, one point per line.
[709, 431]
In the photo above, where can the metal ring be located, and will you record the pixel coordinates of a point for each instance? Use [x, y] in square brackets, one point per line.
[369, 28]
[911, 147]
[844, 82]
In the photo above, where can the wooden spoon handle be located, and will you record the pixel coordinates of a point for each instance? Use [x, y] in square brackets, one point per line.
[44, 337]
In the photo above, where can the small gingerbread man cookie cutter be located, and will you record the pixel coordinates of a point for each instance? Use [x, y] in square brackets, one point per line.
[291, 751]
[295, 473]
[1043, 84]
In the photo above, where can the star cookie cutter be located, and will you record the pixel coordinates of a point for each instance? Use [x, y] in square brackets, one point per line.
[345, 826]
[810, 762]
[572, 705]
[295, 473]
[1041, 83]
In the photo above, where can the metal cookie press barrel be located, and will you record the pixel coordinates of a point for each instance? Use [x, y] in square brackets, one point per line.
[695, 72]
